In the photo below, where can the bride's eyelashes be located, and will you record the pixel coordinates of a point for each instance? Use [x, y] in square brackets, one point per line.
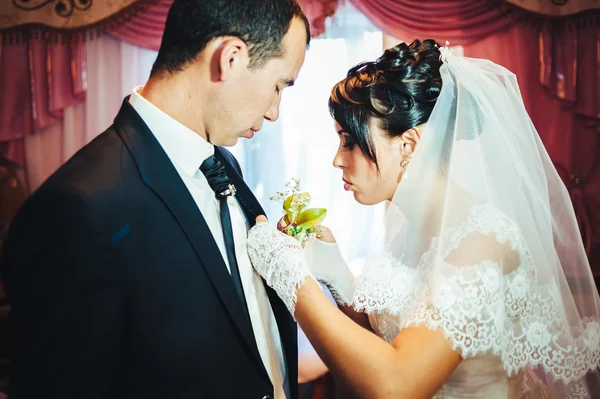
[347, 142]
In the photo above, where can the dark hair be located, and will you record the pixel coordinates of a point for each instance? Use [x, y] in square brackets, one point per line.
[399, 89]
[192, 24]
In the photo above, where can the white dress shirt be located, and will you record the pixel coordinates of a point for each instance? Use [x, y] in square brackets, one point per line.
[187, 150]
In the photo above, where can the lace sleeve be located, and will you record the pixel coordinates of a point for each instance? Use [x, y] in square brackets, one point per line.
[279, 259]
[479, 268]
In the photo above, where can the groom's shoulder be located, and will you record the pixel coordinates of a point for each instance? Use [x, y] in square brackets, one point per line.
[93, 164]
[84, 182]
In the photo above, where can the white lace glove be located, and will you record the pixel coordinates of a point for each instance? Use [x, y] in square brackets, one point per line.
[325, 262]
[279, 259]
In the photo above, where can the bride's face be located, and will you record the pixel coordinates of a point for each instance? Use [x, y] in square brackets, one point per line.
[360, 174]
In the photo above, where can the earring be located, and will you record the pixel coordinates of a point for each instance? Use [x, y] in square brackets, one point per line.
[404, 164]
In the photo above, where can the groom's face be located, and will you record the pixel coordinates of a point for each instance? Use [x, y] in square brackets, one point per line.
[256, 95]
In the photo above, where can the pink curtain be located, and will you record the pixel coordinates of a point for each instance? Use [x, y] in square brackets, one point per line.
[464, 21]
[38, 79]
[317, 11]
[145, 28]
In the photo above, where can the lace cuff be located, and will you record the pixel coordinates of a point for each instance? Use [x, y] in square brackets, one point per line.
[279, 259]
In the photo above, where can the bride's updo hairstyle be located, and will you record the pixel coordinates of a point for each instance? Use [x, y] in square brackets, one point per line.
[399, 89]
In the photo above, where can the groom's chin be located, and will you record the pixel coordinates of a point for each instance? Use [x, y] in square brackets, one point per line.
[230, 142]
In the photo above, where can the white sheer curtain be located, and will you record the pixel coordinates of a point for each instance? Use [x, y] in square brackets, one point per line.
[303, 142]
[113, 69]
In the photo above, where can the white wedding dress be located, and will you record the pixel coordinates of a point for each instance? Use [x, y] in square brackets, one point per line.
[477, 377]
[485, 310]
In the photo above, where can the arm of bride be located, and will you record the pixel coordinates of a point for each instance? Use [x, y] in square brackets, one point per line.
[360, 318]
[326, 263]
[415, 365]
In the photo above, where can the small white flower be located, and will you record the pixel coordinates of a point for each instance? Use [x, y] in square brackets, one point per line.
[472, 329]
[557, 356]
[538, 335]
[490, 280]
[518, 286]
[471, 293]
[443, 296]
[445, 52]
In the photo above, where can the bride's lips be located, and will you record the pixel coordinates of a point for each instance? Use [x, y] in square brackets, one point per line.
[347, 184]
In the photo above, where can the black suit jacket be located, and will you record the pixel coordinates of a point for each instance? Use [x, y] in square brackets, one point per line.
[118, 288]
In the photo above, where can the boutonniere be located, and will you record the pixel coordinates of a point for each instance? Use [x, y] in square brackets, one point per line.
[298, 220]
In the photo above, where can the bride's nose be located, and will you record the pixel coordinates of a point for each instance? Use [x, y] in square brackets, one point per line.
[338, 160]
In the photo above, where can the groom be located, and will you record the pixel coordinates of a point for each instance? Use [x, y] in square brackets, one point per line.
[127, 270]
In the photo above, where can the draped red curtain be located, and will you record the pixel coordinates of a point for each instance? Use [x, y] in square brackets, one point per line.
[145, 28]
[464, 21]
[38, 79]
[43, 72]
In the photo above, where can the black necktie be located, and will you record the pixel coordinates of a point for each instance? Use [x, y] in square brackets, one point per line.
[219, 181]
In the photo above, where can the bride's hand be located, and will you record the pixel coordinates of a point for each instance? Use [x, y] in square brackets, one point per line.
[326, 263]
[325, 234]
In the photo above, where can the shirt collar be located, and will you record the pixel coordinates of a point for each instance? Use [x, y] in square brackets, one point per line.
[183, 146]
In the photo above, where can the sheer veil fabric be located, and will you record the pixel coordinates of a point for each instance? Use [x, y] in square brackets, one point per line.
[482, 241]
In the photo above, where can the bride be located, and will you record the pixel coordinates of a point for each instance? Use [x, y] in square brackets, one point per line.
[484, 289]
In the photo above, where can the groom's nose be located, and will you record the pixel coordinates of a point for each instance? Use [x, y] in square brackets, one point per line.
[272, 113]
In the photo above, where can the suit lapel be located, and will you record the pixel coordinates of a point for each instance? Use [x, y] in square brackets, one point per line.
[285, 322]
[158, 173]
[247, 200]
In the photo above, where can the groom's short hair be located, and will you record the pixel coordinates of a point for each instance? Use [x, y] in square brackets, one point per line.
[192, 24]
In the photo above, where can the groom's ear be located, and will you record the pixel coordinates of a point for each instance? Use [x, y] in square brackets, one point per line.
[229, 57]
[409, 139]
